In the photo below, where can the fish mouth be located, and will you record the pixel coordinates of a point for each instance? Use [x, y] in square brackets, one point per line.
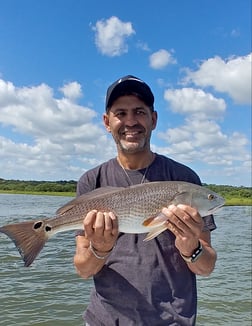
[216, 207]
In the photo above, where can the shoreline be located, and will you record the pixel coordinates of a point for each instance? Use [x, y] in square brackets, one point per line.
[231, 201]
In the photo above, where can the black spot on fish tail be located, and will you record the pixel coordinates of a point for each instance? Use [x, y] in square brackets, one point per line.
[40, 224]
[37, 225]
[48, 228]
[28, 237]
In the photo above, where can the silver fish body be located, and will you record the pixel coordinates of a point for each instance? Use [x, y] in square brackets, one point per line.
[137, 209]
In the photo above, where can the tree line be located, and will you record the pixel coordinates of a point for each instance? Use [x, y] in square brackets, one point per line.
[231, 191]
[70, 187]
[37, 186]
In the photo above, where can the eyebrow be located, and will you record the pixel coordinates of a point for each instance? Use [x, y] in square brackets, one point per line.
[125, 109]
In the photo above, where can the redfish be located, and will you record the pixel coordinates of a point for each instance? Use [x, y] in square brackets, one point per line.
[138, 210]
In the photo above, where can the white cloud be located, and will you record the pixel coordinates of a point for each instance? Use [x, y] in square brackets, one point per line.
[49, 138]
[72, 90]
[231, 76]
[197, 133]
[54, 135]
[205, 142]
[200, 138]
[161, 59]
[194, 102]
[111, 35]
[35, 110]
[143, 46]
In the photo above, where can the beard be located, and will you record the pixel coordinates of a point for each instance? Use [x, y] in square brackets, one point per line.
[132, 140]
[132, 147]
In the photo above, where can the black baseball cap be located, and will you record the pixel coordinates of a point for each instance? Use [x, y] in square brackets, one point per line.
[129, 85]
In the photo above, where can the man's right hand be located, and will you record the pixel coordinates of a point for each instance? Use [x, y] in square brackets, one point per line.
[101, 229]
[94, 245]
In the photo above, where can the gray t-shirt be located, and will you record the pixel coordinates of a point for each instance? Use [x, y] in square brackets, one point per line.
[142, 283]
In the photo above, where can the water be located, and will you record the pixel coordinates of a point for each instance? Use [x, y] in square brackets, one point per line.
[49, 293]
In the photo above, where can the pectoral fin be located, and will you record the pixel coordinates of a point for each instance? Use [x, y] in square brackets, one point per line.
[155, 232]
[155, 220]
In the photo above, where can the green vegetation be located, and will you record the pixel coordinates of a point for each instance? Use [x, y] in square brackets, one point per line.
[234, 196]
[59, 188]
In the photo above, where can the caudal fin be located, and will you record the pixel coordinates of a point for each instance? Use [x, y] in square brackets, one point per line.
[29, 238]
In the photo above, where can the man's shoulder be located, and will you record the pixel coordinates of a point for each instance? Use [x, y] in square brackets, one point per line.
[161, 159]
[177, 171]
[95, 171]
[91, 179]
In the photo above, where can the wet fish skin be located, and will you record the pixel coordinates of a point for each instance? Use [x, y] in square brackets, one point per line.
[137, 209]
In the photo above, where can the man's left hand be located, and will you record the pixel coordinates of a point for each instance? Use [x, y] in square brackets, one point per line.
[186, 224]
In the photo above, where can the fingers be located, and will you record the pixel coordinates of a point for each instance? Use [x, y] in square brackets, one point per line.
[186, 224]
[183, 219]
[191, 212]
[99, 222]
[101, 227]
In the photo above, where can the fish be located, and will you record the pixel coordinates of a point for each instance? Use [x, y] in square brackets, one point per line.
[138, 210]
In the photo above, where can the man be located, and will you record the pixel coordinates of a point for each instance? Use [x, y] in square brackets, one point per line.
[140, 283]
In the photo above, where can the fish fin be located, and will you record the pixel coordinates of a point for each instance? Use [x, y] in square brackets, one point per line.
[155, 220]
[155, 232]
[148, 221]
[96, 193]
[29, 238]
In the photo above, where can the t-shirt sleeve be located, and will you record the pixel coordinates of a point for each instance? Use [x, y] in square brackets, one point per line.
[87, 182]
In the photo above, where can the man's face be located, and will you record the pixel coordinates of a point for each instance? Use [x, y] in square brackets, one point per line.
[130, 122]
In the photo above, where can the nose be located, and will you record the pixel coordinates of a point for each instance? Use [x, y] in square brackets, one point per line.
[131, 119]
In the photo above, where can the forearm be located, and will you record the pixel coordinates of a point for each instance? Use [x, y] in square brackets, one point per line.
[187, 226]
[205, 264]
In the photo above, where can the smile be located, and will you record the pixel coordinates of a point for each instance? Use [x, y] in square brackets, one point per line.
[132, 133]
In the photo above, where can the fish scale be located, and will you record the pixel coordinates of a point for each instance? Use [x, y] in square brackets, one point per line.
[128, 203]
[137, 208]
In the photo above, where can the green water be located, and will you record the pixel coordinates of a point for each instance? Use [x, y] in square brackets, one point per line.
[49, 293]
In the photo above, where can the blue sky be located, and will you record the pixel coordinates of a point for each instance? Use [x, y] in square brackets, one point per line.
[57, 59]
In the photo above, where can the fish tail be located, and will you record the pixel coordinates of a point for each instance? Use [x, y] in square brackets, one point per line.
[29, 238]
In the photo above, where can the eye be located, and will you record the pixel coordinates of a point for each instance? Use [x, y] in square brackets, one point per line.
[210, 196]
[119, 114]
[139, 112]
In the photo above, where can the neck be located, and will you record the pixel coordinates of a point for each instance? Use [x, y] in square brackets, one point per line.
[135, 161]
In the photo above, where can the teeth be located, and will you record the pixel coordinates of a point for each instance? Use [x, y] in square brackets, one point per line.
[131, 133]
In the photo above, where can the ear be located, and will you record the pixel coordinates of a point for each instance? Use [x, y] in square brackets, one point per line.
[106, 122]
[154, 119]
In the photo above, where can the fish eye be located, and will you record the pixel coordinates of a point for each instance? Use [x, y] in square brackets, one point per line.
[210, 196]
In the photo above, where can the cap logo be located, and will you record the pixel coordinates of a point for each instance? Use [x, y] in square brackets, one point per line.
[130, 78]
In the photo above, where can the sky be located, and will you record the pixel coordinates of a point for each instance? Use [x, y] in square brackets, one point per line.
[57, 59]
